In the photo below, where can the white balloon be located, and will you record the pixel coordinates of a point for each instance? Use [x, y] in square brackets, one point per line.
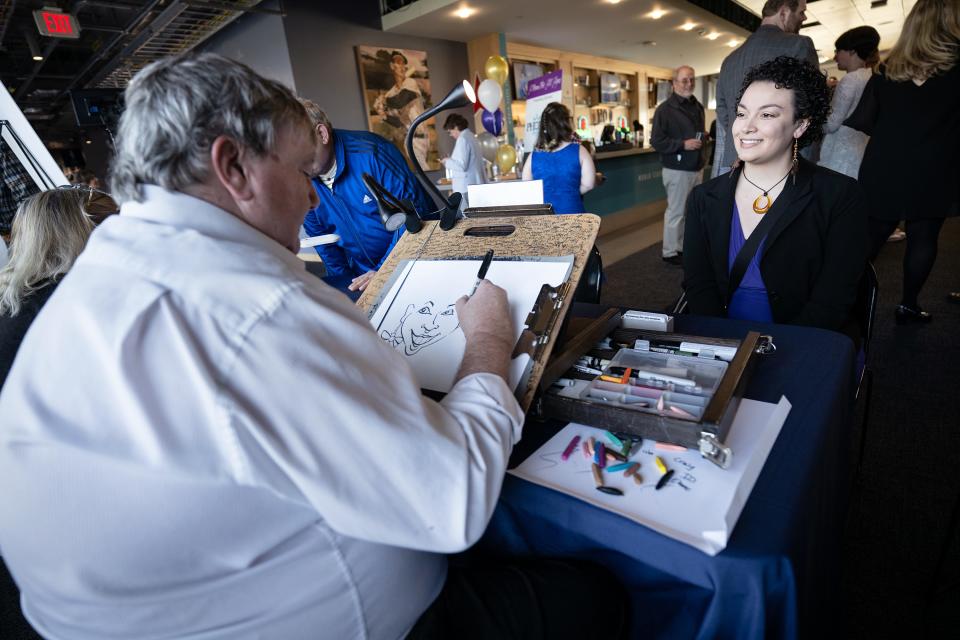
[490, 95]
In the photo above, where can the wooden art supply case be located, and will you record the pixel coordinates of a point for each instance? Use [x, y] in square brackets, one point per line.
[706, 431]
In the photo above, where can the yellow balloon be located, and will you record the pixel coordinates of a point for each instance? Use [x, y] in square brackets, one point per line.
[506, 158]
[496, 69]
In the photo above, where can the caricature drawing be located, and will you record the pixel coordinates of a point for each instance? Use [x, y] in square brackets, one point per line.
[422, 325]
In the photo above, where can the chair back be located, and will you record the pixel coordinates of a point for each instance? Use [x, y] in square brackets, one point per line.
[865, 306]
[588, 289]
[678, 306]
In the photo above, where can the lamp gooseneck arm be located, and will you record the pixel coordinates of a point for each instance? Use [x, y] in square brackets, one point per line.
[418, 170]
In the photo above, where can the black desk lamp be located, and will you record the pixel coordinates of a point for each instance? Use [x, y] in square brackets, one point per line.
[460, 96]
[393, 213]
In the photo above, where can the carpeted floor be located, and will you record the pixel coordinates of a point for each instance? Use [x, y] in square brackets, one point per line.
[895, 581]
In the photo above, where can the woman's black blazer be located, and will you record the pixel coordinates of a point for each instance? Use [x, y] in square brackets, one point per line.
[813, 257]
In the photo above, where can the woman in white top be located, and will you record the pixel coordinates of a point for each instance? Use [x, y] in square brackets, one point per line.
[466, 163]
[856, 53]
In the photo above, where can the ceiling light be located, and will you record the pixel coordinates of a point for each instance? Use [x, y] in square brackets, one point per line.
[32, 44]
[464, 12]
[713, 35]
[613, 1]
[733, 43]
[688, 26]
[656, 14]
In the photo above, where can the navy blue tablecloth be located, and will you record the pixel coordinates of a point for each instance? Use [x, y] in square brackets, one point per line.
[779, 576]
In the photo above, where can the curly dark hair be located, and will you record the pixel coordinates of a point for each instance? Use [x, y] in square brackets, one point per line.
[456, 121]
[556, 127]
[811, 96]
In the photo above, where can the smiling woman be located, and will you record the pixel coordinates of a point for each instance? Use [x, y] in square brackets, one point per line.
[778, 239]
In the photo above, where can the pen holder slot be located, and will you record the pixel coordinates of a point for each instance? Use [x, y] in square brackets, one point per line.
[490, 231]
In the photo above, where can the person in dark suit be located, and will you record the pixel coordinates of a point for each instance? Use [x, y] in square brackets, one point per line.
[776, 36]
[778, 239]
[911, 111]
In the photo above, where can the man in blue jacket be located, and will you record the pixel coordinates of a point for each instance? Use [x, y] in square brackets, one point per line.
[346, 206]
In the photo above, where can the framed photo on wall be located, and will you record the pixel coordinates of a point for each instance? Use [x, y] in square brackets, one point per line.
[396, 89]
[524, 72]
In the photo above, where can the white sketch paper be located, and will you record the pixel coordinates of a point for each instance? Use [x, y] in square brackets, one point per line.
[701, 503]
[417, 315]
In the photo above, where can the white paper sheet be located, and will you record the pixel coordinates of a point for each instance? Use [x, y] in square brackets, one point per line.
[418, 318]
[503, 194]
[701, 503]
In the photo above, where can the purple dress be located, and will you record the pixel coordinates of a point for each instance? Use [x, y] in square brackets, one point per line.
[749, 301]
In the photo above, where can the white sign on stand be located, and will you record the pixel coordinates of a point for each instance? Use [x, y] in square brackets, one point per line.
[505, 194]
[540, 92]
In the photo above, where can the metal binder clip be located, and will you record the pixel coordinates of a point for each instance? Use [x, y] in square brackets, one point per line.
[539, 326]
[539, 322]
[765, 346]
[714, 450]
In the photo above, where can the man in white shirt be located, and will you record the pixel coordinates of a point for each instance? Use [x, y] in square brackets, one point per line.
[202, 440]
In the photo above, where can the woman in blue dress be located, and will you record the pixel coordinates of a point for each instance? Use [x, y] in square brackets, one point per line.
[559, 159]
[778, 239]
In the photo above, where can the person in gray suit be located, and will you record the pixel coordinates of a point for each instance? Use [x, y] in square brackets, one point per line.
[776, 36]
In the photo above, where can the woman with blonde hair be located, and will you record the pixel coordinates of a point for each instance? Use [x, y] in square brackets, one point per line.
[49, 231]
[911, 111]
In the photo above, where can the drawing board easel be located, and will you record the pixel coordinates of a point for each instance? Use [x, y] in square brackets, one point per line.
[515, 236]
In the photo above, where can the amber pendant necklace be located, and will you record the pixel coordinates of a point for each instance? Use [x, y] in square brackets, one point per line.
[763, 202]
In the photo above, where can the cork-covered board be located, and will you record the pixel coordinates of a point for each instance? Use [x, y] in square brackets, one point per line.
[510, 237]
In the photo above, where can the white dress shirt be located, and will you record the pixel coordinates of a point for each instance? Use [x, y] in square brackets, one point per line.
[199, 439]
[465, 163]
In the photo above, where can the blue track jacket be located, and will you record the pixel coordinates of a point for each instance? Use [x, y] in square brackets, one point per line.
[351, 212]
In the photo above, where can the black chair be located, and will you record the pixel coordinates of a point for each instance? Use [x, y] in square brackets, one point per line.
[679, 306]
[865, 311]
[591, 282]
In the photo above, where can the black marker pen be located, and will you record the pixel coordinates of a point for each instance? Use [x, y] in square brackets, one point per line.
[482, 273]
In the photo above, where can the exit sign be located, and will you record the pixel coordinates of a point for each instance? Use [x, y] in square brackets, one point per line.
[56, 24]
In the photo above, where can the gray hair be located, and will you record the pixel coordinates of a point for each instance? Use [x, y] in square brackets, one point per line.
[175, 109]
[315, 113]
[49, 231]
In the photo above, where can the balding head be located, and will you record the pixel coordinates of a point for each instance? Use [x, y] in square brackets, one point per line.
[176, 107]
[788, 15]
[324, 130]
[683, 81]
